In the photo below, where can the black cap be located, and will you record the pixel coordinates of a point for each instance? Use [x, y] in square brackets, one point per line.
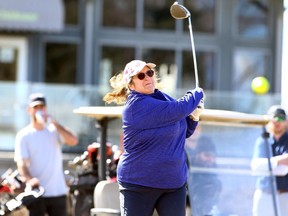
[37, 99]
[277, 111]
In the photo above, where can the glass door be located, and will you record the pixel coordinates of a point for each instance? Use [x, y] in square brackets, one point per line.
[13, 88]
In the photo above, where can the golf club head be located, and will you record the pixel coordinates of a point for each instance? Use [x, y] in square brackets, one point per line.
[179, 11]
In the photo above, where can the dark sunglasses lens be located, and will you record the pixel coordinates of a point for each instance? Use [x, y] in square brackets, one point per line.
[141, 76]
[150, 73]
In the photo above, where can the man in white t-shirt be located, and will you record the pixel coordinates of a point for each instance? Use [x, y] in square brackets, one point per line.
[38, 155]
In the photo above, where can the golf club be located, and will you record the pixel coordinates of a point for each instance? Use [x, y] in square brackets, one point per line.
[180, 12]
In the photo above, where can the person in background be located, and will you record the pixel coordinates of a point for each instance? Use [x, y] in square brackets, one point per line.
[38, 156]
[204, 186]
[152, 171]
[277, 140]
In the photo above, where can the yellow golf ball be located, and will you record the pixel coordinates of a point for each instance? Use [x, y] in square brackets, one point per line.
[260, 85]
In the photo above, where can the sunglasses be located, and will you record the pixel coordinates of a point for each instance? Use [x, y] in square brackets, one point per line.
[141, 75]
[278, 119]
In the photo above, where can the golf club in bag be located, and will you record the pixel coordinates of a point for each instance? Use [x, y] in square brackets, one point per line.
[15, 195]
[180, 12]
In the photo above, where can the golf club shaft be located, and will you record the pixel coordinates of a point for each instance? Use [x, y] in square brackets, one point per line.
[193, 53]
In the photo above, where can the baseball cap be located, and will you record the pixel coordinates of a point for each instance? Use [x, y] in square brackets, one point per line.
[37, 99]
[277, 112]
[134, 67]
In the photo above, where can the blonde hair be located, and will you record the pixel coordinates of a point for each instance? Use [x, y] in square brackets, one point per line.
[121, 89]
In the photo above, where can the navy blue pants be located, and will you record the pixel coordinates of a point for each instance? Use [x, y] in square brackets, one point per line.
[141, 201]
[53, 206]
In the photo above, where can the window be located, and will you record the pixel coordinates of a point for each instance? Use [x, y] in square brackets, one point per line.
[8, 63]
[120, 13]
[247, 65]
[252, 19]
[113, 61]
[157, 15]
[61, 63]
[203, 15]
[71, 12]
[206, 64]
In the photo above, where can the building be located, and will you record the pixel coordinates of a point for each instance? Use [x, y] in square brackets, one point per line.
[69, 49]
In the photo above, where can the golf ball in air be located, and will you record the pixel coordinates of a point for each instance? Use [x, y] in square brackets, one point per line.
[260, 85]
